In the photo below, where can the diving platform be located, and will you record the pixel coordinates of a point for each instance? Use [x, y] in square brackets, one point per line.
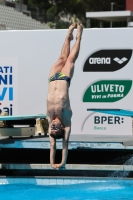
[75, 142]
[23, 125]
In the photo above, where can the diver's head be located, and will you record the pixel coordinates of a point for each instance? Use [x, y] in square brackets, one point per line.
[57, 129]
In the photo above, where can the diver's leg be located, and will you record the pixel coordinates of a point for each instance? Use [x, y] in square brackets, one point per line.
[57, 67]
[68, 69]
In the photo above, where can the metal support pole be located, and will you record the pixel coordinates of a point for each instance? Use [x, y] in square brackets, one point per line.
[21, 1]
[112, 4]
[88, 23]
[128, 20]
[101, 24]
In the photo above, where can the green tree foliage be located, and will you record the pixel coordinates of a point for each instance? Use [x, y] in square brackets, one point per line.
[50, 9]
[79, 6]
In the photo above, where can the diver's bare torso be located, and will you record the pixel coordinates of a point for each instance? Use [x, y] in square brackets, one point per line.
[58, 104]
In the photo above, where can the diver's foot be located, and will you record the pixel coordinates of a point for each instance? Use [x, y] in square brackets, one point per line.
[79, 30]
[70, 31]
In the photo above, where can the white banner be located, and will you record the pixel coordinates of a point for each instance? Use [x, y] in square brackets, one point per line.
[102, 78]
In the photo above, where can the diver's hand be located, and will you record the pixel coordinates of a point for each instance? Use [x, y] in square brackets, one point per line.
[54, 166]
[60, 166]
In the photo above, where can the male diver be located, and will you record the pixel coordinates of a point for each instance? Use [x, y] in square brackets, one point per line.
[59, 112]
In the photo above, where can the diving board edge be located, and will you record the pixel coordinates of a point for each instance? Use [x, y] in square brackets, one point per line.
[22, 117]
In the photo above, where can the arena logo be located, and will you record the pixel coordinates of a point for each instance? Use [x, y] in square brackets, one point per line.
[107, 60]
[120, 61]
[100, 60]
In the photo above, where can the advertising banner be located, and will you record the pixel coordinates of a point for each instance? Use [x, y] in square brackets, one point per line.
[104, 124]
[8, 85]
[103, 76]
